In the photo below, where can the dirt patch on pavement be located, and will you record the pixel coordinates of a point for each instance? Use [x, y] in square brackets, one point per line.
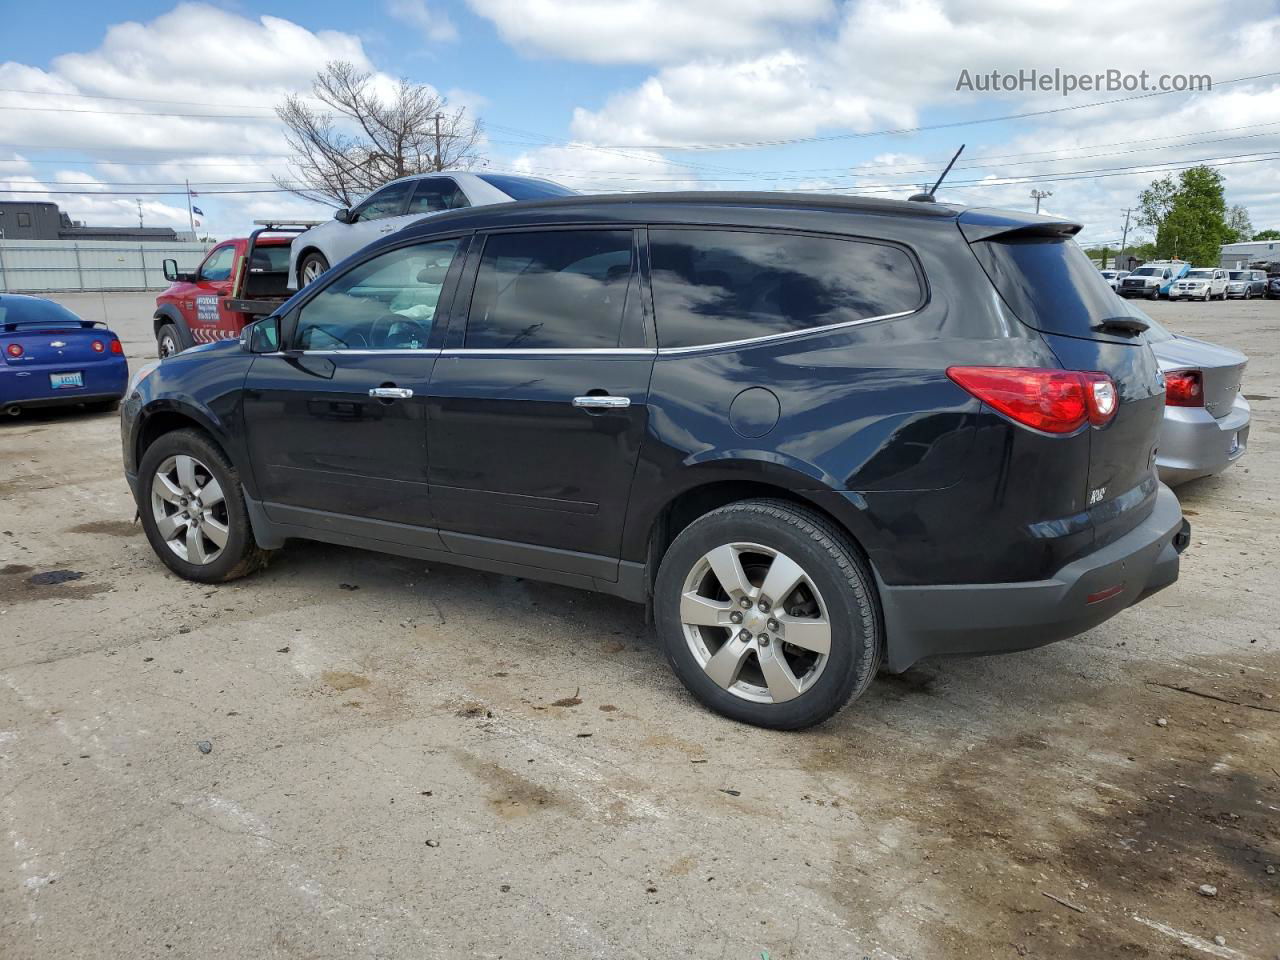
[1114, 864]
[510, 795]
[112, 528]
[18, 585]
[343, 680]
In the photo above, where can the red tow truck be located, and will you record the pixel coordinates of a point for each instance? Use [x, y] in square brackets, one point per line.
[238, 281]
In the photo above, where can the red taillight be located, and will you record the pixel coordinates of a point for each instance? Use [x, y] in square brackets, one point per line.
[115, 347]
[1055, 401]
[98, 346]
[1184, 388]
[14, 349]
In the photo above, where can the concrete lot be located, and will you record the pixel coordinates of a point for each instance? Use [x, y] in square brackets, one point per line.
[414, 762]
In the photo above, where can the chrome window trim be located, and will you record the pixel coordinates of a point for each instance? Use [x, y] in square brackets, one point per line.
[362, 352]
[788, 335]
[544, 351]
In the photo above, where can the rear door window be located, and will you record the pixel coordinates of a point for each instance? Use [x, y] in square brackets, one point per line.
[552, 289]
[435, 194]
[722, 286]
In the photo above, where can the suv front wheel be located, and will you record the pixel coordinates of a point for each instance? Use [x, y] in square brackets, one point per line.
[768, 615]
[193, 509]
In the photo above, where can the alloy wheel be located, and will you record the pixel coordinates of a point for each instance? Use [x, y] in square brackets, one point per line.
[755, 622]
[190, 509]
[310, 270]
[167, 347]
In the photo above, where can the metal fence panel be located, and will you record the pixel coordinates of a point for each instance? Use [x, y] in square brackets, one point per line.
[69, 266]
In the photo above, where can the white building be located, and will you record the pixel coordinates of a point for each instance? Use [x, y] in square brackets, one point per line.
[1238, 256]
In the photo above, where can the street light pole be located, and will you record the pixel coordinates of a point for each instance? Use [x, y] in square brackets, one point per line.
[1038, 195]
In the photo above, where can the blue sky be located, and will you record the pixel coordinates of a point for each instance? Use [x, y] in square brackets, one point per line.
[610, 96]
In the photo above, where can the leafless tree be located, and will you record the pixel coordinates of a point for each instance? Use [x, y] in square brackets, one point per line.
[357, 140]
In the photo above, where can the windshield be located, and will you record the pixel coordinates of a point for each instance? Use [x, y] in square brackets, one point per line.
[1145, 272]
[1238, 275]
[1200, 275]
[526, 188]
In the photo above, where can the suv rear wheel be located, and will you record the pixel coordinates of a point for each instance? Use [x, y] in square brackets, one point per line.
[768, 615]
[193, 510]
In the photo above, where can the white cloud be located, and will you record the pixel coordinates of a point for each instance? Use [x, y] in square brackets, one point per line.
[604, 171]
[435, 27]
[645, 31]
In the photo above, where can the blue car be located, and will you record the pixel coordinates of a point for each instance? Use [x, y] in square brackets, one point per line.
[53, 358]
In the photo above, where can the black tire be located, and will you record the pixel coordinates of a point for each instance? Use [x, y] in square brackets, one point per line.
[835, 565]
[241, 556]
[1155, 294]
[314, 260]
[168, 341]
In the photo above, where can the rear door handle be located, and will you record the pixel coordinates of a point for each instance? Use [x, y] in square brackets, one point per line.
[602, 402]
[391, 393]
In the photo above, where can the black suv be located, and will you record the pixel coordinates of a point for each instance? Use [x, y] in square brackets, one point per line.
[815, 433]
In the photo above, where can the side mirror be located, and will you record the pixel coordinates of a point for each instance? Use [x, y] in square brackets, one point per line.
[171, 270]
[342, 215]
[262, 336]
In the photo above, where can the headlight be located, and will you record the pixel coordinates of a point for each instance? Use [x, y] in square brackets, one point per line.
[141, 374]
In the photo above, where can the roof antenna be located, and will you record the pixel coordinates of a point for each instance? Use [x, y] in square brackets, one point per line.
[928, 197]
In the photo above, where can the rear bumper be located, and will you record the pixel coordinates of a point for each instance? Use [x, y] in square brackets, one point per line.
[1193, 444]
[1001, 617]
[28, 386]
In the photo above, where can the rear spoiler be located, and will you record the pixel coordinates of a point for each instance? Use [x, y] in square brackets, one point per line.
[977, 225]
[16, 326]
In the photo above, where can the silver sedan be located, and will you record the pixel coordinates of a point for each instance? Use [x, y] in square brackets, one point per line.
[1206, 417]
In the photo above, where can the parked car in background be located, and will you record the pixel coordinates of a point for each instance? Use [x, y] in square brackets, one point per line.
[1206, 416]
[1153, 279]
[1113, 277]
[238, 280]
[1273, 288]
[650, 396]
[1246, 284]
[53, 358]
[1200, 283]
[399, 204]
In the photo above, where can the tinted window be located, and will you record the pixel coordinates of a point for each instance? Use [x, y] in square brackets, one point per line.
[387, 202]
[553, 289]
[718, 286]
[1051, 285]
[387, 303]
[435, 194]
[270, 260]
[218, 266]
[526, 188]
[15, 310]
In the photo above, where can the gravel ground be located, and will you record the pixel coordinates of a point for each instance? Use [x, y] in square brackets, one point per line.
[411, 760]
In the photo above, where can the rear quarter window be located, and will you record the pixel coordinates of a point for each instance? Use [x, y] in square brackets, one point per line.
[723, 286]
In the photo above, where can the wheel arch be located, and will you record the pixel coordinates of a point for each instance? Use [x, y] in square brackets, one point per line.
[715, 484]
[167, 313]
[165, 417]
[305, 252]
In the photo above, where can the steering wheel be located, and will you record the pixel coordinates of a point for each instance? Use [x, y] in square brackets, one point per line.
[392, 330]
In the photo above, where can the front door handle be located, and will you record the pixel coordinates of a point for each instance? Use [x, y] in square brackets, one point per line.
[602, 402]
[391, 393]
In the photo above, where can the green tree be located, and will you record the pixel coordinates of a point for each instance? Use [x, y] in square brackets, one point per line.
[1189, 215]
[1239, 224]
[1267, 235]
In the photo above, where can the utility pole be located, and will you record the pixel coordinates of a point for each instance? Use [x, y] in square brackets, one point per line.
[439, 166]
[1038, 195]
[139, 213]
[1124, 237]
